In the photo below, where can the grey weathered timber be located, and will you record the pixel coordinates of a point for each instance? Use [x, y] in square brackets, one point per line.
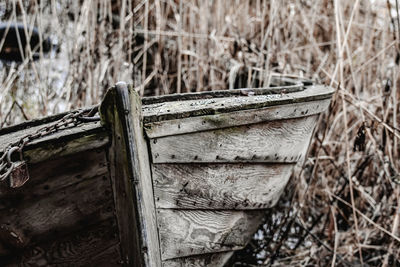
[219, 186]
[274, 141]
[193, 232]
[204, 260]
[210, 106]
[236, 118]
[66, 142]
[218, 160]
[177, 180]
[122, 181]
[131, 176]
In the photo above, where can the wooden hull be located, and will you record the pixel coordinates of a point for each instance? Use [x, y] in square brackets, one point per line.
[169, 183]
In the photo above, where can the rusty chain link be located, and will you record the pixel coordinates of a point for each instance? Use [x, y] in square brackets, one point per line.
[72, 119]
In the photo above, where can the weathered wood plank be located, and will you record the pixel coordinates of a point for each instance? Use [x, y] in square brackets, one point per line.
[108, 258]
[52, 175]
[275, 141]
[203, 106]
[122, 184]
[67, 145]
[95, 245]
[131, 176]
[71, 207]
[69, 133]
[237, 118]
[142, 174]
[219, 186]
[205, 260]
[190, 232]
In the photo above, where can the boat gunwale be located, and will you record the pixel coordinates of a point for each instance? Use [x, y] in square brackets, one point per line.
[39, 121]
[289, 98]
[231, 93]
[290, 85]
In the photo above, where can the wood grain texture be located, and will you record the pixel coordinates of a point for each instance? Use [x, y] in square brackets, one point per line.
[122, 182]
[237, 118]
[52, 175]
[209, 106]
[65, 210]
[219, 186]
[66, 145]
[8, 136]
[92, 246]
[140, 162]
[205, 260]
[65, 142]
[131, 176]
[274, 141]
[192, 232]
[109, 257]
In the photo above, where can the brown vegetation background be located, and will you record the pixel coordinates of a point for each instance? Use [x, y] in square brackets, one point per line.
[342, 206]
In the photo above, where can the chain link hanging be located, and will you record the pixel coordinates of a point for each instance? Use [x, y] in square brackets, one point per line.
[8, 164]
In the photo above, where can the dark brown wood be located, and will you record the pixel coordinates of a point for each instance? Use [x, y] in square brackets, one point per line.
[53, 175]
[109, 257]
[84, 203]
[64, 215]
[94, 245]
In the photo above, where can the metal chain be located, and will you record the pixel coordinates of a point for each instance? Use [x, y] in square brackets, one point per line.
[71, 119]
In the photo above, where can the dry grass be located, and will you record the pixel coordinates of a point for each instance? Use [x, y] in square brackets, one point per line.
[343, 206]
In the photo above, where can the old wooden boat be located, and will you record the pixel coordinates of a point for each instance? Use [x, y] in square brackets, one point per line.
[176, 180]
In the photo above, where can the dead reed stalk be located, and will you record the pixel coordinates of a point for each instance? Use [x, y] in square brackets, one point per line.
[346, 196]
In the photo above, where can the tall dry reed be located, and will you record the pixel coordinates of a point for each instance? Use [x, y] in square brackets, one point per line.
[343, 205]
